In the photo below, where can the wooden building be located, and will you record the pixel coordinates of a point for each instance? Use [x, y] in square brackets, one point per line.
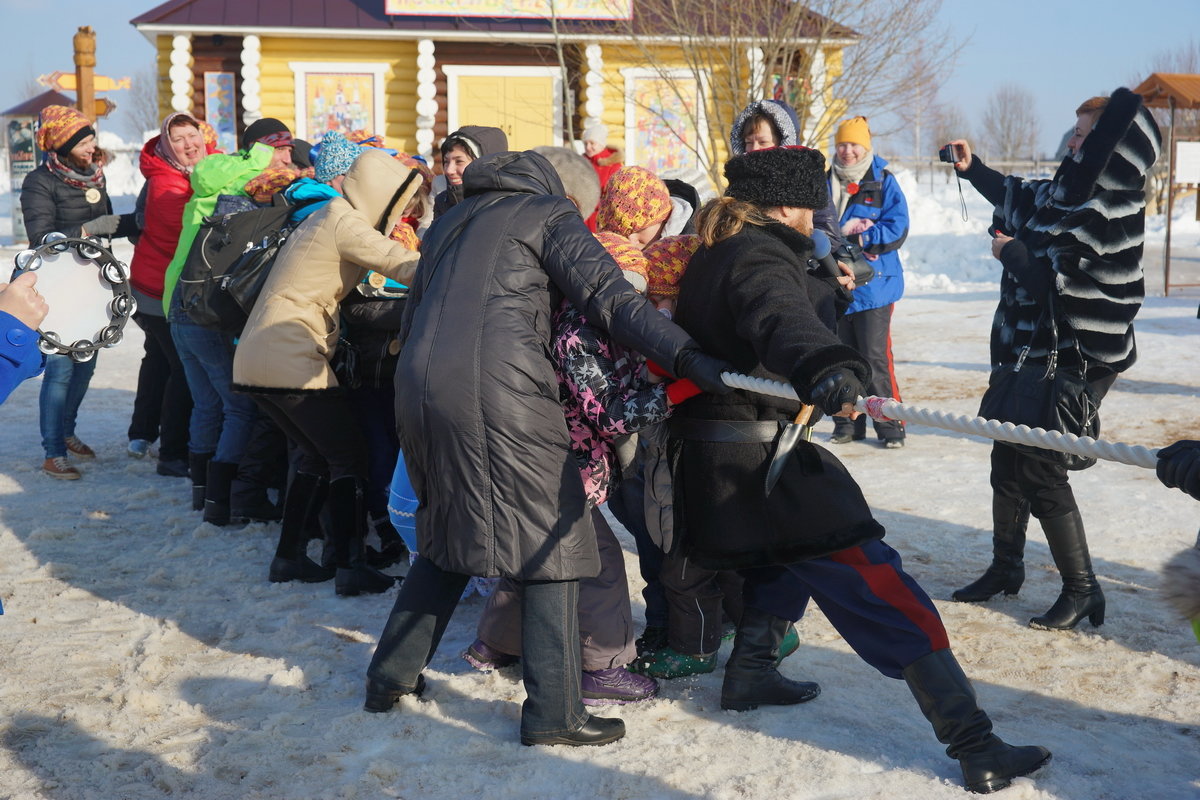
[414, 70]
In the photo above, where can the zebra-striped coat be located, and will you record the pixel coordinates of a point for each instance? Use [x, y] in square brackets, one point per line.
[1080, 235]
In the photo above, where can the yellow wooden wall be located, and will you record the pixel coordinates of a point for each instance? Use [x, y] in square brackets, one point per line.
[163, 64]
[278, 91]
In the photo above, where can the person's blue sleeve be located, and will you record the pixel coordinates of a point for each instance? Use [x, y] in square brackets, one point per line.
[20, 357]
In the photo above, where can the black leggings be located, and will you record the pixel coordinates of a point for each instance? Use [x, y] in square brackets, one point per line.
[324, 429]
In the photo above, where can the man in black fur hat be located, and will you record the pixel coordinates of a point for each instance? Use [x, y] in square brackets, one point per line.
[1071, 249]
[748, 298]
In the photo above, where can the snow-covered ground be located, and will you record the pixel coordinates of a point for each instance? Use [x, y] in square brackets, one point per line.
[145, 654]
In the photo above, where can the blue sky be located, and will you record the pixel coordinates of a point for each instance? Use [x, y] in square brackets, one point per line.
[1063, 51]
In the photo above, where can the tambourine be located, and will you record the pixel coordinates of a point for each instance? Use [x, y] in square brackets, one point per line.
[88, 292]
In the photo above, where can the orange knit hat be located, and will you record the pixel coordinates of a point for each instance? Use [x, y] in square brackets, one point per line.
[634, 198]
[210, 136]
[667, 260]
[855, 131]
[62, 125]
[628, 258]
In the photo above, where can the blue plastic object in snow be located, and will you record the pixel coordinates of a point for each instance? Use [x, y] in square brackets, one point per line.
[402, 506]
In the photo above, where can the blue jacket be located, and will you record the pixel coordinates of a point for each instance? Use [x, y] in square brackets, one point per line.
[879, 199]
[20, 357]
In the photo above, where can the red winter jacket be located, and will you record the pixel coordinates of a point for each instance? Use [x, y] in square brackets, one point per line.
[167, 192]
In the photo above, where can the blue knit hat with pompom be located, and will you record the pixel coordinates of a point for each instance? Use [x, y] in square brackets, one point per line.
[335, 157]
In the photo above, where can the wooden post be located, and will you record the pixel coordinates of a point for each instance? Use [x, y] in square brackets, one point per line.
[85, 71]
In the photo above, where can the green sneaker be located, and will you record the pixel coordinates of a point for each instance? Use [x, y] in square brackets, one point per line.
[670, 663]
[789, 645]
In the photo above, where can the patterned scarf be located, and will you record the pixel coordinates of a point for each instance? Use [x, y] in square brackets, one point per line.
[92, 179]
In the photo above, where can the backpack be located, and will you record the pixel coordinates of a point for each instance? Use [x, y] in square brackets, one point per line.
[229, 262]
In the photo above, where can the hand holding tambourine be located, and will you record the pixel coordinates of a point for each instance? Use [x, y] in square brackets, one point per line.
[23, 301]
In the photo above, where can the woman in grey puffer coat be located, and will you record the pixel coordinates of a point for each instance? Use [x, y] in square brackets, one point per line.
[484, 436]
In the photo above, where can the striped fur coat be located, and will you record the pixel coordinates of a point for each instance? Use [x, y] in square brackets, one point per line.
[1082, 234]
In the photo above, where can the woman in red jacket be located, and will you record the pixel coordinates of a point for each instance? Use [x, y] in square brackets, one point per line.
[163, 404]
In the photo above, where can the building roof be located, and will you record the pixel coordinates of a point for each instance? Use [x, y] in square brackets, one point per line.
[34, 105]
[359, 17]
[1160, 87]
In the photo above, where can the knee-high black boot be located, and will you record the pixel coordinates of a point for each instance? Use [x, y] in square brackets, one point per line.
[751, 679]
[198, 472]
[1081, 595]
[216, 493]
[300, 504]
[1010, 517]
[947, 700]
[348, 511]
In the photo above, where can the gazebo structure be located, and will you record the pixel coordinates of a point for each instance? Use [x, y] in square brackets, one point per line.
[1172, 91]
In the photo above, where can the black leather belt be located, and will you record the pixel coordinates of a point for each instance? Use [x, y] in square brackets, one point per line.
[723, 430]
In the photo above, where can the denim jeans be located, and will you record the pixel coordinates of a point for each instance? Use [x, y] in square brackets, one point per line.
[64, 384]
[549, 643]
[221, 418]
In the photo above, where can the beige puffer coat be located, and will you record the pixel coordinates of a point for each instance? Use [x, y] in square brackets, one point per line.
[292, 332]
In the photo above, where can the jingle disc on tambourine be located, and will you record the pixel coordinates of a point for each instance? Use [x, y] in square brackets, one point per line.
[87, 290]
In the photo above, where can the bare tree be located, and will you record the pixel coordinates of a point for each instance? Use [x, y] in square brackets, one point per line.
[827, 58]
[948, 122]
[1010, 124]
[141, 101]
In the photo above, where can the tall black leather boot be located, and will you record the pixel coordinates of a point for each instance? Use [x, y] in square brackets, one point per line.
[1081, 595]
[216, 493]
[300, 505]
[947, 700]
[751, 679]
[1010, 517]
[198, 472]
[348, 510]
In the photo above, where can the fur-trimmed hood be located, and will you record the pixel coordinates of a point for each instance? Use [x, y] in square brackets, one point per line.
[607, 157]
[781, 113]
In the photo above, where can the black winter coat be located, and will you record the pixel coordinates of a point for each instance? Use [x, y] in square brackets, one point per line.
[48, 203]
[477, 401]
[371, 327]
[751, 301]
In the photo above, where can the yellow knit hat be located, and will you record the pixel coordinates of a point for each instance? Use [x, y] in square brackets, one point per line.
[855, 131]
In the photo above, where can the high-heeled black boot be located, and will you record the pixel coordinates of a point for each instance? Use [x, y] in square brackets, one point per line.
[1010, 517]
[947, 700]
[1081, 594]
[348, 511]
[300, 505]
[751, 679]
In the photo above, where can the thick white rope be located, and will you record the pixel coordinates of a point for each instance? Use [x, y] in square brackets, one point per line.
[1085, 446]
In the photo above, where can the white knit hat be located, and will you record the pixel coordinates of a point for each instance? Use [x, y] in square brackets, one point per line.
[596, 132]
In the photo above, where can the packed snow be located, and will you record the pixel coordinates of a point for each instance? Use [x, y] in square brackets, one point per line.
[146, 655]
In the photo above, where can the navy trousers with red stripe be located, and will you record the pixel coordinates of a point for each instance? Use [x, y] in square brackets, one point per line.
[877, 607]
[870, 333]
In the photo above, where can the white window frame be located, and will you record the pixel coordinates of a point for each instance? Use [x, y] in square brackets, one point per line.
[301, 69]
[630, 74]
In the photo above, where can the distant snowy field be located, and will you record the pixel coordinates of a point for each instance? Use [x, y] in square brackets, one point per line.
[147, 656]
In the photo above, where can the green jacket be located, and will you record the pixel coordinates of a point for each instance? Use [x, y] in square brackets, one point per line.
[215, 175]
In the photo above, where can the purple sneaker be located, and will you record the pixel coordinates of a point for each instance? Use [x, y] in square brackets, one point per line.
[616, 686]
[486, 659]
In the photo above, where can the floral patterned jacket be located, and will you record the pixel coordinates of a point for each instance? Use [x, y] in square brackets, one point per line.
[603, 394]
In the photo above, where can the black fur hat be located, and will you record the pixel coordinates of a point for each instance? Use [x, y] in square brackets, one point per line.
[779, 176]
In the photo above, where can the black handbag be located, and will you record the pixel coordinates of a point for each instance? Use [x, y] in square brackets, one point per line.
[1053, 398]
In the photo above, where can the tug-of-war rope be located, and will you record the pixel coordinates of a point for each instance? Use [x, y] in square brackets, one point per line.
[885, 408]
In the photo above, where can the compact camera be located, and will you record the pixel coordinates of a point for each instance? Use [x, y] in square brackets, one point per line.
[949, 154]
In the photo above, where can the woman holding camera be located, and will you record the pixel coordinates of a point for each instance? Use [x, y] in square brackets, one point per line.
[1072, 244]
[873, 215]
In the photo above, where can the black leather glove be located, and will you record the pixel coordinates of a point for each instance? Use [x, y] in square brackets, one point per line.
[704, 370]
[1179, 467]
[105, 225]
[837, 387]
